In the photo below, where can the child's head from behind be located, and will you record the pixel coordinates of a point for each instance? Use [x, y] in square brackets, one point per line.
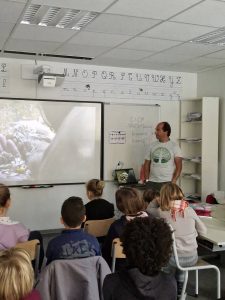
[147, 244]
[169, 193]
[4, 195]
[95, 188]
[149, 195]
[16, 274]
[128, 201]
[73, 212]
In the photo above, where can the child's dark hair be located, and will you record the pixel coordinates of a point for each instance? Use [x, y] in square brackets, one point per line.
[4, 195]
[73, 211]
[147, 244]
[150, 195]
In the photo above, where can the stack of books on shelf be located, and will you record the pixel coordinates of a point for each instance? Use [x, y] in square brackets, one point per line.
[192, 176]
[191, 140]
[194, 116]
[196, 159]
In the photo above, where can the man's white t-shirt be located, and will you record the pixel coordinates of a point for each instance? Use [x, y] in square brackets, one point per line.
[162, 157]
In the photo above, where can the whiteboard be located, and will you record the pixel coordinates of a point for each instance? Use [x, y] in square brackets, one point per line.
[49, 142]
[128, 132]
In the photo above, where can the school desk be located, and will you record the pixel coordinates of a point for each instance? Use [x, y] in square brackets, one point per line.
[214, 239]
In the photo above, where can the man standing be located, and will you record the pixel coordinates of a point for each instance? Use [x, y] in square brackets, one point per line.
[164, 161]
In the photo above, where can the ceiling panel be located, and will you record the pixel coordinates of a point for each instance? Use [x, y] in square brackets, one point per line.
[89, 5]
[127, 54]
[209, 13]
[21, 1]
[10, 11]
[31, 46]
[190, 67]
[115, 62]
[208, 62]
[155, 9]
[177, 31]
[108, 23]
[5, 29]
[167, 58]
[185, 67]
[98, 39]
[219, 54]
[150, 65]
[41, 33]
[2, 42]
[150, 34]
[81, 50]
[142, 43]
[191, 49]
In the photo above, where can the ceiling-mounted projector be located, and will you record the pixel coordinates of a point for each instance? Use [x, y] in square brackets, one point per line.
[50, 79]
[46, 78]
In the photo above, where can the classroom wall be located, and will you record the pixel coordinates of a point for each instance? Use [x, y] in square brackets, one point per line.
[40, 208]
[211, 83]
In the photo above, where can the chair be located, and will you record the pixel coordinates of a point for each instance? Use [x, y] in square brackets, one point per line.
[98, 228]
[33, 249]
[200, 265]
[117, 252]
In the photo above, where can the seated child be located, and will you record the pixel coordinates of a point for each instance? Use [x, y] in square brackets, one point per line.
[16, 276]
[147, 244]
[73, 242]
[131, 205]
[97, 208]
[186, 224]
[13, 232]
[151, 199]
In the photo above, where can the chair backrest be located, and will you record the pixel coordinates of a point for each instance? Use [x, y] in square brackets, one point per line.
[98, 228]
[33, 249]
[30, 247]
[175, 250]
[117, 249]
[117, 252]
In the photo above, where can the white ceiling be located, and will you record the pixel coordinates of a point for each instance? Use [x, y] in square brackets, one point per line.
[151, 34]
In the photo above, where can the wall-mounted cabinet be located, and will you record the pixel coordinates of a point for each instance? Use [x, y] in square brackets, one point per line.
[199, 145]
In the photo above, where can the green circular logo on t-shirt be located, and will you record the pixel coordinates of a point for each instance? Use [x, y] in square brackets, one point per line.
[161, 155]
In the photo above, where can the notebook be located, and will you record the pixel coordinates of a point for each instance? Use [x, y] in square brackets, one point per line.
[125, 176]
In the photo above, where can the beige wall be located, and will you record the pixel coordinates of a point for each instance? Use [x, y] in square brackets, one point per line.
[40, 208]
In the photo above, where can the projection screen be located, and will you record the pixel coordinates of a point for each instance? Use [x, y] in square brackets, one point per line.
[49, 142]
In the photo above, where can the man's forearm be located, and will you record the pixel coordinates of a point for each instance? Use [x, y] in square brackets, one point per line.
[147, 165]
[176, 175]
[178, 169]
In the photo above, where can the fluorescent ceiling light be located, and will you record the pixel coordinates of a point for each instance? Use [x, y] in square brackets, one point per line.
[216, 37]
[43, 15]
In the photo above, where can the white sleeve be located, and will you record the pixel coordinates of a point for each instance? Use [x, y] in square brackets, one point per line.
[147, 155]
[177, 151]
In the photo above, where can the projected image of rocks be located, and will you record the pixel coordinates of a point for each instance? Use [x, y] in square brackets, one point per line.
[25, 134]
